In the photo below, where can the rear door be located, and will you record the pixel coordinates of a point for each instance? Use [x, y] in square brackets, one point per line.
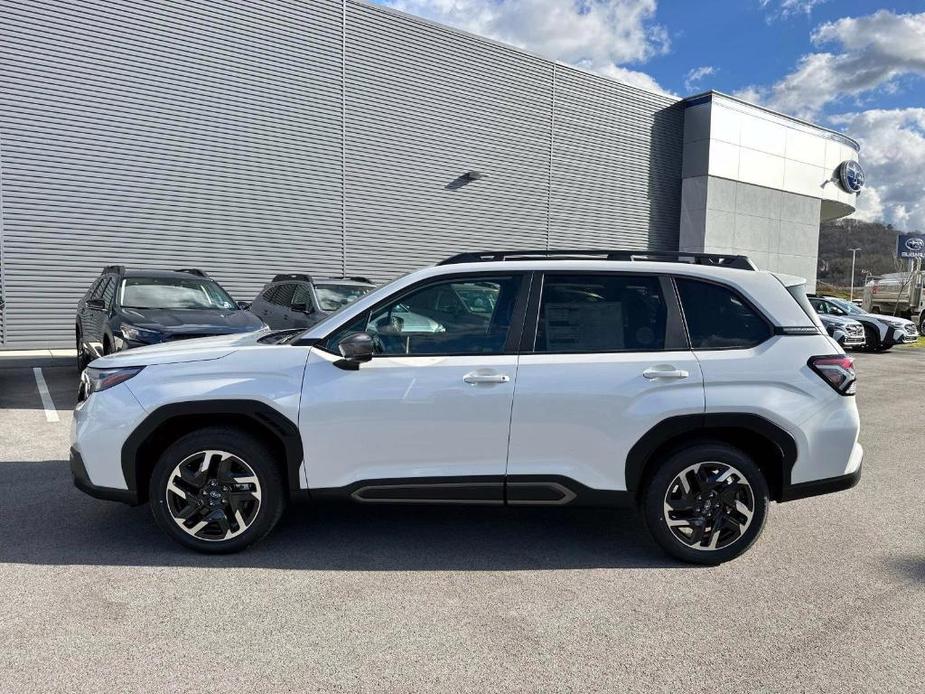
[604, 359]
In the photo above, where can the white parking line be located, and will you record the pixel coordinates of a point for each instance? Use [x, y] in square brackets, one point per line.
[51, 414]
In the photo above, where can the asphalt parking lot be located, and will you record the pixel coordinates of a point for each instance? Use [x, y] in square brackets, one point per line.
[96, 598]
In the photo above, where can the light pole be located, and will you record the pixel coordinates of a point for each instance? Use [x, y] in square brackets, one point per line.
[854, 252]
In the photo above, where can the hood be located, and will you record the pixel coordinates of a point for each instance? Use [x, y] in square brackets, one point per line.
[894, 321]
[200, 349]
[192, 321]
[838, 321]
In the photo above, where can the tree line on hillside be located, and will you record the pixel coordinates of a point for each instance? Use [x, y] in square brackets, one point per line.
[877, 255]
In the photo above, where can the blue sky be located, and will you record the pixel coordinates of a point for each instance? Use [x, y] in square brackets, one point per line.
[854, 65]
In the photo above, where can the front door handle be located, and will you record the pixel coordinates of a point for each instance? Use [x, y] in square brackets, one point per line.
[662, 372]
[477, 377]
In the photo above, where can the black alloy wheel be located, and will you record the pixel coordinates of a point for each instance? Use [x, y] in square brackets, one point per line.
[217, 490]
[707, 503]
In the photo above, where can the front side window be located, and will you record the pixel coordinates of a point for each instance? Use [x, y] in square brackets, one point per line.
[173, 293]
[719, 319]
[845, 307]
[601, 313]
[332, 297]
[435, 320]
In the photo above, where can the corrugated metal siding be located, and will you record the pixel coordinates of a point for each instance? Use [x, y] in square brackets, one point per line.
[219, 134]
[424, 106]
[616, 167]
[165, 134]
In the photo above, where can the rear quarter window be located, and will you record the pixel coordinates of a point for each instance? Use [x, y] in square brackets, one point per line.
[718, 318]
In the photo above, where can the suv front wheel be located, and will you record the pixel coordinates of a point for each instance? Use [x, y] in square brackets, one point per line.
[706, 504]
[217, 490]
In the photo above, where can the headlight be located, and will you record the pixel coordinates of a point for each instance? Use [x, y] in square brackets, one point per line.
[136, 334]
[94, 380]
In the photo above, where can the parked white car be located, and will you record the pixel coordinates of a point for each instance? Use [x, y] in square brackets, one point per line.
[698, 391]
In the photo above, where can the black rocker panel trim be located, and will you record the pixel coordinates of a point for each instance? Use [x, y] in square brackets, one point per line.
[270, 420]
[534, 490]
[681, 425]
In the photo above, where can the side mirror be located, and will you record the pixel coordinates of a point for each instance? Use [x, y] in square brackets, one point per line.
[301, 308]
[96, 304]
[244, 305]
[355, 349]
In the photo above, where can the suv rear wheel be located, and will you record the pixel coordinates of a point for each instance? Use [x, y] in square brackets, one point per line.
[217, 490]
[706, 504]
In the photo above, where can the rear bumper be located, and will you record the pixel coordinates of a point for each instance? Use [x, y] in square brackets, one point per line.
[829, 485]
[83, 483]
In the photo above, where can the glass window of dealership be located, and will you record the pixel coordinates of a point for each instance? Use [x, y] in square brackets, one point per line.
[338, 137]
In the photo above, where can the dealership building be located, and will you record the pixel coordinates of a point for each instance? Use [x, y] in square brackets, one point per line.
[337, 137]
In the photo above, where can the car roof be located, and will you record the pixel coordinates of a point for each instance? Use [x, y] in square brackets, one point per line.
[346, 281]
[164, 274]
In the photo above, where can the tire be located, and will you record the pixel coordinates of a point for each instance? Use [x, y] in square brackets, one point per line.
[248, 505]
[922, 325]
[872, 342]
[724, 487]
[82, 360]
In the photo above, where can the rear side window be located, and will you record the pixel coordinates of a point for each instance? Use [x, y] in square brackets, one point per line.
[109, 291]
[281, 294]
[717, 318]
[601, 313]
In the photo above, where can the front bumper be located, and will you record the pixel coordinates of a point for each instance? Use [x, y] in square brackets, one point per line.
[83, 483]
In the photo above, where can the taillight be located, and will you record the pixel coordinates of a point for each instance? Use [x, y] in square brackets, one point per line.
[837, 370]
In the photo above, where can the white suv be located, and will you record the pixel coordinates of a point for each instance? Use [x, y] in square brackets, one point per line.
[697, 390]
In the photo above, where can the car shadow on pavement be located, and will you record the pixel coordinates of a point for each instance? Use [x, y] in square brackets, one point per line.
[45, 520]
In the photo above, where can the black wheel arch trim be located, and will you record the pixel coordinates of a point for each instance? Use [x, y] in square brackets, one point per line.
[673, 428]
[261, 414]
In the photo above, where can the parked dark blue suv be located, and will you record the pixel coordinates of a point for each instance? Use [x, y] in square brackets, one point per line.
[130, 308]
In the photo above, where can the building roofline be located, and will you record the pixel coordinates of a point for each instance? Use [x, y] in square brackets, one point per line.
[711, 93]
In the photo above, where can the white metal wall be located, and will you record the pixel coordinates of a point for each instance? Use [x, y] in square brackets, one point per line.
[249, 137]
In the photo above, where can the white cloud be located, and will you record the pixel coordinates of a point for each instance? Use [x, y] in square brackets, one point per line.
[893, 155]
[597, 35]
[694, 76]
[788, 8]
[872, 52]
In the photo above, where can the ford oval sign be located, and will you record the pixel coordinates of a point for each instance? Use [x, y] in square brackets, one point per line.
[851, 176]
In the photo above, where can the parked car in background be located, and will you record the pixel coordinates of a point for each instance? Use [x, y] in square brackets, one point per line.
[846, 331]
[298, 300]
[699, 392]
[131, 308]
[880, 332]
[899, 294]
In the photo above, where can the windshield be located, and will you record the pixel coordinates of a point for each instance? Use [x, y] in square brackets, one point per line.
[174, 293]
[332, 297]
[846, 306]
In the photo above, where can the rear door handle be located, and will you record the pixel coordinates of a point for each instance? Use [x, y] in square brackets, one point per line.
[664, 373]
[476, 377]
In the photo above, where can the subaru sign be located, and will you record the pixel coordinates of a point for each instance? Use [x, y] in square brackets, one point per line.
[851, 176]
[910, 246]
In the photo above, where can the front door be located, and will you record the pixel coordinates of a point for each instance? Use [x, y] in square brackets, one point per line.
[604, 361]
[428, 418]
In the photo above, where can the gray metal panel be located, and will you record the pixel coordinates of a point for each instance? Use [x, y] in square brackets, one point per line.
[164, 134]
[219, 134]
[424, 106]
[616, 167]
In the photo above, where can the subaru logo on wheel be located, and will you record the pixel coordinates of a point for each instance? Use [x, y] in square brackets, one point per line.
[851, 176]
[915, 243]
